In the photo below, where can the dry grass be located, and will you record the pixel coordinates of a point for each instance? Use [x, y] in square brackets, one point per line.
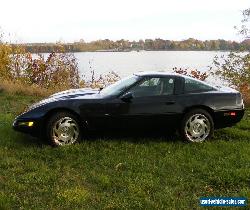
[24, 89]
[20, 88]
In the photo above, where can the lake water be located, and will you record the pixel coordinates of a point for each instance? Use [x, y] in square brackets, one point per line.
[126, 63]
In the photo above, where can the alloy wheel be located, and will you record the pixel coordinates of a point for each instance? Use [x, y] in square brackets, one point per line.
[65, 131]
[197, 128]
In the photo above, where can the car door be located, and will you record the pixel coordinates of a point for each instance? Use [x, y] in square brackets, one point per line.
[153, 105]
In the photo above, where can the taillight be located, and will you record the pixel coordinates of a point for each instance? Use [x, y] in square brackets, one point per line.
[232, 113]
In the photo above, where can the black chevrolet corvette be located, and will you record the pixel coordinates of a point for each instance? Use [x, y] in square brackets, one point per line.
[142, 101]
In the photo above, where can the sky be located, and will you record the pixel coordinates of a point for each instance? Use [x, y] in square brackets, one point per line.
[25, 21]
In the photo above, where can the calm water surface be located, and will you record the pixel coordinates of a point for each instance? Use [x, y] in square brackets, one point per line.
[126, 63]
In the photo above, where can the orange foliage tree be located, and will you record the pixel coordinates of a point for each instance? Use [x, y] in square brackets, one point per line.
[192, 73]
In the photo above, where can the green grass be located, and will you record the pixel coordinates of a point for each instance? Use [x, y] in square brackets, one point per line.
[116, 173]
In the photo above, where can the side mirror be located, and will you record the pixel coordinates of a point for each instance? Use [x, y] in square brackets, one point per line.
[127, 97]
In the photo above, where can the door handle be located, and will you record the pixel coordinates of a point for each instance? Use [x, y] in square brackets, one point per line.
[170, 102]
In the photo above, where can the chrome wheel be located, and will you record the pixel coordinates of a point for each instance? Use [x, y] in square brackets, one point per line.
[197, 128]
[65, 131]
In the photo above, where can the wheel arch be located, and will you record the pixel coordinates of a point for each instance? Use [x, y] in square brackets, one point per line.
[51, 112]
[204, 107]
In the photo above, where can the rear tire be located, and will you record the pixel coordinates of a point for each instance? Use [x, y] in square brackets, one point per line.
[63, 128]
[197, 126]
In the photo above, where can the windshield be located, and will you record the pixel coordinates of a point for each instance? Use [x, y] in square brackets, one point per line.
[119, 86]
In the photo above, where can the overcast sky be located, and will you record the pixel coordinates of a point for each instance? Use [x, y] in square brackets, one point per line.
[72, 20]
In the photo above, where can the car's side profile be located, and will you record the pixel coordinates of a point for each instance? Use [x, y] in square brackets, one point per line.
[146, 100]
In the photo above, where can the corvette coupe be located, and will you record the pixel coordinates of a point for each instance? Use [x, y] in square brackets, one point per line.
[145, 100]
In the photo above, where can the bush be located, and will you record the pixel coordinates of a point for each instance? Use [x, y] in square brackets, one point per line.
[5, 60]
[235, 68]
[101, 81]
[192, 73]
[58, 69]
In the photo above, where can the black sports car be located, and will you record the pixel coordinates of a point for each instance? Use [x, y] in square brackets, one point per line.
[142, 101]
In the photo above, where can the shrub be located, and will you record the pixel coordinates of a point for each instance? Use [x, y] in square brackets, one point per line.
[58, 69]
[100, 81]
[235, 68]
[5, 52]
[192, 73]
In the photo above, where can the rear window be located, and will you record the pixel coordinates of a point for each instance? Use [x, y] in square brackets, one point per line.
[192, 85]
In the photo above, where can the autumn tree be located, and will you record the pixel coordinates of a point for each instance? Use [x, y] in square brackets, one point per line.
[235, 68]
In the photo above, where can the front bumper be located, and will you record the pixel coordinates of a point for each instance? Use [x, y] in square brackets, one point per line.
[29, 126]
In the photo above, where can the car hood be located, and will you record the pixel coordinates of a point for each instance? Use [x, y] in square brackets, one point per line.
[65, 95]
[73, 93]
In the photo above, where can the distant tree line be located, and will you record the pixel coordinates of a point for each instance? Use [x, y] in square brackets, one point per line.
[148, 44]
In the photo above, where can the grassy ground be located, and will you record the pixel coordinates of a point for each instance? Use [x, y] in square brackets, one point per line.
[114, 173]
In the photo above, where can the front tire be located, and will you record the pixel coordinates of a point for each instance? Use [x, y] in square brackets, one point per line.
[197, 126]
[63, 128]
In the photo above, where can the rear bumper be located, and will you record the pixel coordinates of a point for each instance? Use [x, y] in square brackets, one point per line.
[227, 118]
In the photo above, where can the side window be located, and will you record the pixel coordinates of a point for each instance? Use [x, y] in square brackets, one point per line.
[154, 87]
[196, 86]
[150, 82]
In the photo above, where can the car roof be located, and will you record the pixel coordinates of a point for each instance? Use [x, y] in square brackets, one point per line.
[163, 73]
[155, 73]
